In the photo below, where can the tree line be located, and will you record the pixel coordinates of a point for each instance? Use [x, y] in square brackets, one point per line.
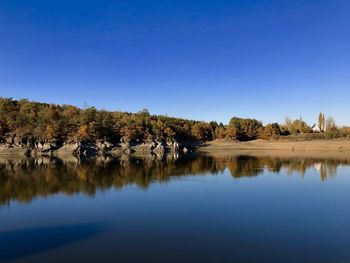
[47, 122]
[66, 122]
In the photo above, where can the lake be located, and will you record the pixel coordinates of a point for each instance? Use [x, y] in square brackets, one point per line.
[228, 207]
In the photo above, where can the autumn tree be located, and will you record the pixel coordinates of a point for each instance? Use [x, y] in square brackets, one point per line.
[270, 131]
[321, 121]
[3, 127]
[220, 132]
[232, 132]
[169, 132]
[202, 131]
[296, 126]
[243, 129]
[50, 132]
[344, 132]
[44, 121]
[331, 129]
[83, 133]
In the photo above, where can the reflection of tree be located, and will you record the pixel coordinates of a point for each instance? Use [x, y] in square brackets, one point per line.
[245, 166]
[328, 169]
[25, 179]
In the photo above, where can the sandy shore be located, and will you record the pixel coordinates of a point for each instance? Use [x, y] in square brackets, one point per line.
[316, 145]
[322, 149]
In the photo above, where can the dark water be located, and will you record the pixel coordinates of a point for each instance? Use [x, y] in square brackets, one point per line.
[224, 208]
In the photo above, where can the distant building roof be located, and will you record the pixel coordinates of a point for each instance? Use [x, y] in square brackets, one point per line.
[315, 128]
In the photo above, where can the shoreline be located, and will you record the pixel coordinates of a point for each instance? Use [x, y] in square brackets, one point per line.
[276, 147]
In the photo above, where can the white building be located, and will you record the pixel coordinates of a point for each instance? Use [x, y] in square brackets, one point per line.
[315, 129]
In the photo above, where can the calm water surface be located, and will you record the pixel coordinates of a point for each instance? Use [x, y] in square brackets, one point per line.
[225, 208]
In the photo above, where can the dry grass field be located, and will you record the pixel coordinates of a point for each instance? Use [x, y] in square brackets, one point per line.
[321, 149]
[314, 145]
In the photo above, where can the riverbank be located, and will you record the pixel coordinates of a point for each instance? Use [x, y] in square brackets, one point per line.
[277, 147]
[261, 145]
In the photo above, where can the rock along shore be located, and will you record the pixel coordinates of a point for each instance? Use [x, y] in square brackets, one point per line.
[15, 145]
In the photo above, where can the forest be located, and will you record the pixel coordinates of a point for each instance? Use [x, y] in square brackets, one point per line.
[66, 123]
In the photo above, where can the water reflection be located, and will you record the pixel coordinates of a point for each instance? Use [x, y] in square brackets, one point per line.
[242, 166]
[25, 179]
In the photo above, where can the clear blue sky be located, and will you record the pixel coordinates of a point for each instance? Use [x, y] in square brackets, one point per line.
[198, 59]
